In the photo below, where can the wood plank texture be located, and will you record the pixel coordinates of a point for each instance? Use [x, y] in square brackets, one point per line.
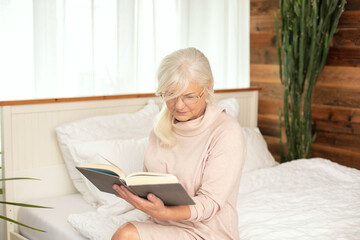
[352, 5]
[336, 154]
[336, 96]
[263, 39]
[270, 91]
[339, 76]
[264, 7]
[263, 55]
[336, 114]
[264, 73]
[349, 19]
[349, 38]
[262, 23]
[339, 56]
[331, 76]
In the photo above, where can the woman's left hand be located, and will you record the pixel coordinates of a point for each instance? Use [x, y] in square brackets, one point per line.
[153, 206]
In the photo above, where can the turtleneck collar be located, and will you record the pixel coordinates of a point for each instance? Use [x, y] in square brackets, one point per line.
[198, 125]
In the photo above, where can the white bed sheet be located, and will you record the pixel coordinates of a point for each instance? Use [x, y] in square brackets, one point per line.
[53, 221]
[302, 199]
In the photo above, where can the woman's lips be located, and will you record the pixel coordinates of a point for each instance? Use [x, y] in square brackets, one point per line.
[180, 113]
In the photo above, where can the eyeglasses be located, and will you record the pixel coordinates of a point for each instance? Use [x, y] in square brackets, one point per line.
[186, 99]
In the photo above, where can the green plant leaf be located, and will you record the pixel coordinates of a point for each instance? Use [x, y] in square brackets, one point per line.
[16, 222]
[23, 204]
[20, 178]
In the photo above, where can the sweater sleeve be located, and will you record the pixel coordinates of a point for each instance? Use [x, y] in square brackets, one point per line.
[225, 158]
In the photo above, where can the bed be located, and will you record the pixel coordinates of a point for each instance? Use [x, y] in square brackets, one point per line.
[303, 199]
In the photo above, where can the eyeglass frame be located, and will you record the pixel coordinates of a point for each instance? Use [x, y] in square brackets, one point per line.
[174, 99]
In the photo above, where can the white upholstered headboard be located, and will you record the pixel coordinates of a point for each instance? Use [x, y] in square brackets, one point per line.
[30, 148]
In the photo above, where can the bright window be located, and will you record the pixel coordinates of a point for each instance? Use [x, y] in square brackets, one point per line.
[66, 48]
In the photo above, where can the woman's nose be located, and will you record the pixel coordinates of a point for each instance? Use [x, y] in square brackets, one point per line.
[179, 103]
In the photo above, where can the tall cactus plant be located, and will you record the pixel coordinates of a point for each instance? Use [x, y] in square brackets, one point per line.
[307, 27]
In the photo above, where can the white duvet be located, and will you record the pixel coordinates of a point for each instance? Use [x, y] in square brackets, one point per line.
[302, 199]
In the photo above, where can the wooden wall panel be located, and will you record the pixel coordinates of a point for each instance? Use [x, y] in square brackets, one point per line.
[349, 19]
[336, 97]
[352, 5]
[347, 38]
[263, 7]
[338, 76]
[262, 23]
[263, 55]
[340, 56]
[342, 156]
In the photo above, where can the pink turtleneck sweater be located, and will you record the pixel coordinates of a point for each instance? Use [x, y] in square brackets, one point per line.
[207, 160]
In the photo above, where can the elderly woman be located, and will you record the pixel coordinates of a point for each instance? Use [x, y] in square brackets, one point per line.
[200, 144]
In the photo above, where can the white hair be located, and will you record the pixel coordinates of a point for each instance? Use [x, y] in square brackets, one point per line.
[174, 73]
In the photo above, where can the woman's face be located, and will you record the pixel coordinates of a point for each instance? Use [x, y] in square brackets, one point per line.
[190, 104]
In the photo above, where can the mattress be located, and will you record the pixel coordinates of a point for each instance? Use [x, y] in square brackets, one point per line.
[53, 221]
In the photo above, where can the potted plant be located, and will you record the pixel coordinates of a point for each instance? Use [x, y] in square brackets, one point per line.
[307, 27]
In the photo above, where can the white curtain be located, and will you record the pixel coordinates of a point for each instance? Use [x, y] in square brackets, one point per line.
[66, 48]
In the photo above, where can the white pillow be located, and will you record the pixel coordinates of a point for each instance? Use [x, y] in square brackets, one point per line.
[231, 106]
[257, 152]
[127, 154]
[118, 126]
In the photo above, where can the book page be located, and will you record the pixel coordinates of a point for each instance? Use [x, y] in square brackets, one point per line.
[101, 166]
[146, 178]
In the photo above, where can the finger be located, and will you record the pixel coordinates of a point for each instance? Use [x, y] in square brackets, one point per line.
[118, 190]
[155, 201]
[126, 192]
[132, 198]
[152, 198]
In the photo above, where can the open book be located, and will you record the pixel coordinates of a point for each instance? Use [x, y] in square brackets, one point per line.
[164, 186]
